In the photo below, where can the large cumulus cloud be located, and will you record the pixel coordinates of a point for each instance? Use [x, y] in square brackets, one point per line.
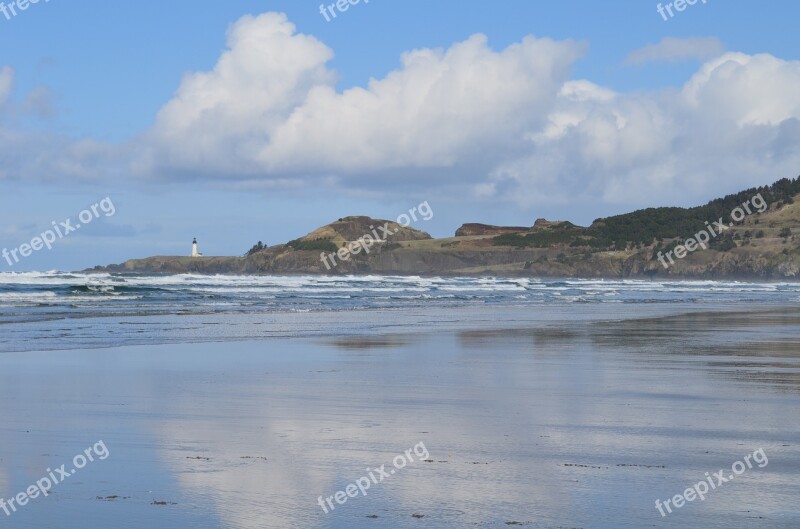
[270, 106]
[507, 124]
[501, 125]
[733, 124]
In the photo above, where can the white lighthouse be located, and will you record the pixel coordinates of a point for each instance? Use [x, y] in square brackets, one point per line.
[195, 253]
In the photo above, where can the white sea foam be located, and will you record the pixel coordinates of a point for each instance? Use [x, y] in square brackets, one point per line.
[155, 292]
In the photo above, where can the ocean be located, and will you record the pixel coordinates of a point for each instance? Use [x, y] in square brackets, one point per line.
[59, 310]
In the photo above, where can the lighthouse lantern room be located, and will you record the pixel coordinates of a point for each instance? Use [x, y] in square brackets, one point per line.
[195, 253]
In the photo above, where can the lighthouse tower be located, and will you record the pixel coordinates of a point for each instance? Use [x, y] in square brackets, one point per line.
[195, 253]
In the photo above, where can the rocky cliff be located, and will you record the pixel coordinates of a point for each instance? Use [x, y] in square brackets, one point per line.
[765, 245]
[474, 229]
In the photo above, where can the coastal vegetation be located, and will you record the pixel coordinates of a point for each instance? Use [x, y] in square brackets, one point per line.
[316, 245]
[649, 226]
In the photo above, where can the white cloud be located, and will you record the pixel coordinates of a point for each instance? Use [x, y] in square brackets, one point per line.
[735, 123]
[220, 120]
[440, 109]
[39, 103]
[51, 158]
[270, 107]
[6, 83]
[746, 90]
[672, 49]
[506, 124]
[501, 125]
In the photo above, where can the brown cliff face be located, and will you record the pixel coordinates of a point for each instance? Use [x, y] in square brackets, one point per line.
[434, 257]
[475, 229]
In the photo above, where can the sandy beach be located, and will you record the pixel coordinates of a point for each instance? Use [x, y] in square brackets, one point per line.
[548, 424]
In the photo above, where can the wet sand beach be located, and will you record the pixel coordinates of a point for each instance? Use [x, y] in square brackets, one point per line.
[570, 421]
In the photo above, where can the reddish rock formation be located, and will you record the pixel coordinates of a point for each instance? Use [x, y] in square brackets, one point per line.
[467, 230]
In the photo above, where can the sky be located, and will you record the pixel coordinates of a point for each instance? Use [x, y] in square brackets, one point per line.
[241, 121]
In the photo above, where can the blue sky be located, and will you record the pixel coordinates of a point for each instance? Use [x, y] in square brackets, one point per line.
[589, 122]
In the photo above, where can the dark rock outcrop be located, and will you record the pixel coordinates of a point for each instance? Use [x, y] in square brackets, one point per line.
[473, 229]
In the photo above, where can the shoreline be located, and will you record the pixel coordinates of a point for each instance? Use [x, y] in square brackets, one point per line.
[505, 274]
[354, 325]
